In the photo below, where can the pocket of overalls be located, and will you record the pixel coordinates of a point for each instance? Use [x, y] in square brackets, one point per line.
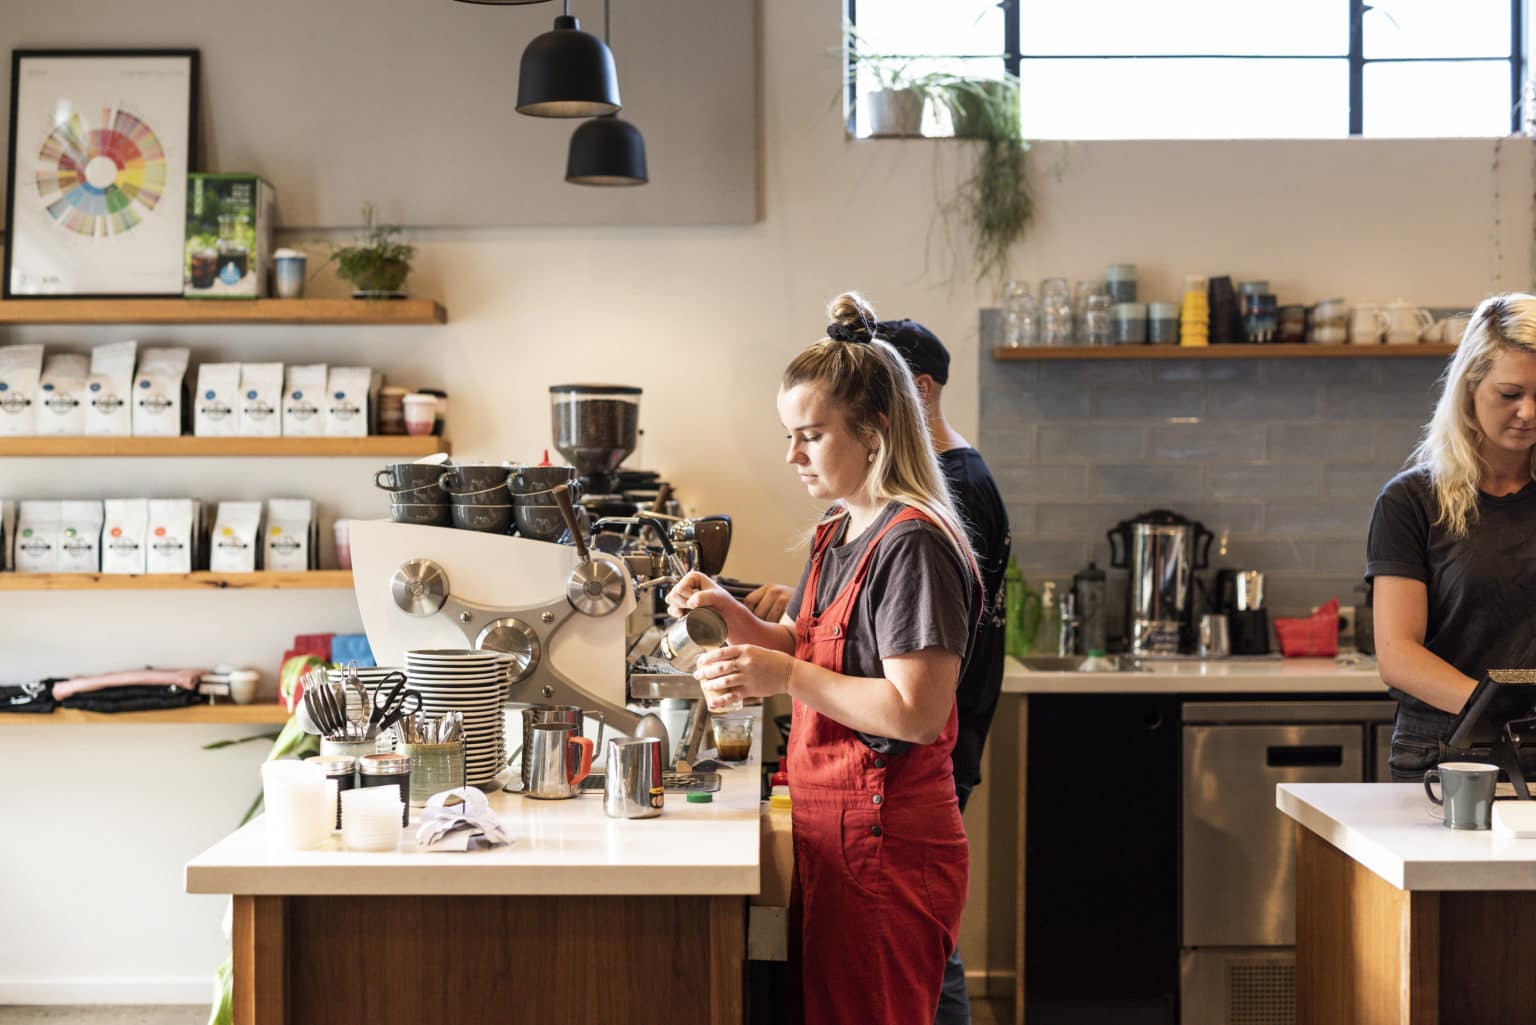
[946, 876]
[864, 851]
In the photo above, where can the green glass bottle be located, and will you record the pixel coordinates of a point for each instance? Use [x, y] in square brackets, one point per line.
[1021, 612]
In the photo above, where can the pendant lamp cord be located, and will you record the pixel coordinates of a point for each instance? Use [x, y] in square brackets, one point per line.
[607, 37]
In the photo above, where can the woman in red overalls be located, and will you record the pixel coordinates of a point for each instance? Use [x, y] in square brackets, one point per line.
[870, 650]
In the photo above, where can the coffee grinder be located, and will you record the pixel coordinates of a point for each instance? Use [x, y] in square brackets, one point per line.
[595, 427]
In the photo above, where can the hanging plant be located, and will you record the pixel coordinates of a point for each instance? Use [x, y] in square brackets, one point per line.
[994, 202]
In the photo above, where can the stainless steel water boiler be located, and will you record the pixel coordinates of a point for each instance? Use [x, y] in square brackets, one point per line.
[1162, 550]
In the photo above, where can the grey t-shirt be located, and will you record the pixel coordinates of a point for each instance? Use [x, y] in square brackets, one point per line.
[1482, 587]
[917, 594]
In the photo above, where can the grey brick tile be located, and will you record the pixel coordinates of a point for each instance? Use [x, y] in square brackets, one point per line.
[1254, 405]
[1026, 483]
[1263, 480]
[1298, 596]
[1030, 404]
[1340, 558]
[1268, 554]
[1357, 483]
[1096, 442]
[1206, 442]
[1304, 373]
[1164, 484]
[1035, 555]
[1004, 446]
[1376, 402]
[1311, 443]
[1149, 402]
[1318, 519]
[1395, 442]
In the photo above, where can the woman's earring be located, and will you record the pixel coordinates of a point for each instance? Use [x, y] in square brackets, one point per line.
[872, 454]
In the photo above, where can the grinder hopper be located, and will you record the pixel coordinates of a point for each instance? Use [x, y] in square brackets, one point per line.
[595, 427]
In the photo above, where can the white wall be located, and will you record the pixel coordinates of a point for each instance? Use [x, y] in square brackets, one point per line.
[704, 320]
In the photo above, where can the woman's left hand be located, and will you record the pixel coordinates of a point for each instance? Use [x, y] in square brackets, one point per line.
[739, 671]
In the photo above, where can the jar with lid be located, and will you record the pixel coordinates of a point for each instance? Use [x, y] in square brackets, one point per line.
[388, 770]
[1021, 315]
[342, 770]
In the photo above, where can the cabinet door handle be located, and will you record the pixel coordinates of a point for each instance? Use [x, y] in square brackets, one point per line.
[1304, 755]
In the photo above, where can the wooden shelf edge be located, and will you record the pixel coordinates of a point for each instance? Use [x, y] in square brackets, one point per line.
[222, 311]
[1124, 352]
[268, 714]
[320, 579]
[373, 445]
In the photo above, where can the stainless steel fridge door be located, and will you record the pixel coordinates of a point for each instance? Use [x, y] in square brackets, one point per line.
[1239, 858]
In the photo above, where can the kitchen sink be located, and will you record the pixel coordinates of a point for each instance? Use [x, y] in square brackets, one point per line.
[1071, 663]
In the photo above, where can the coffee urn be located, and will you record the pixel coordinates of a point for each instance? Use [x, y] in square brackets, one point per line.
[1162, 550]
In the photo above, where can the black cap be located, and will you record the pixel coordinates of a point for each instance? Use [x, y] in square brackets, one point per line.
[921, 348]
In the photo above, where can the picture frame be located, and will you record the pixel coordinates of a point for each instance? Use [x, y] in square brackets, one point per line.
[97, 157]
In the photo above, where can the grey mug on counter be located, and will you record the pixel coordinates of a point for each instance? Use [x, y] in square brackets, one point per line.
[1468, 789]
[633, 786]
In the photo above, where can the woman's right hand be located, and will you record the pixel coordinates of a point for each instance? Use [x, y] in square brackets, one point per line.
[696, 590]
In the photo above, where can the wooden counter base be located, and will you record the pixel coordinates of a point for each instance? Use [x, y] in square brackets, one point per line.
[403, 960]
[1371, 954]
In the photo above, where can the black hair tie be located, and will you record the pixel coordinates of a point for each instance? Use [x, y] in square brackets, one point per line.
[857, 334]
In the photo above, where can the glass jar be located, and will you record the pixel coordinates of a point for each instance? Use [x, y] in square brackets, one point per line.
[1096, 321]
[341, 769]
[1055, 312]
[1021, 315]
[234, 257]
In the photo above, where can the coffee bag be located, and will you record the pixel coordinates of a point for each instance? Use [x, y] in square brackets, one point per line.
[261, 399]
[216, 412]
[346, 405]
[107, 390]
[288, 544]
[38, 529]
[157, 392]
[125, 523]
[304, 400]
[80, 537]
[62, 394]
[236, 529]
[170, 536]
[21, 367]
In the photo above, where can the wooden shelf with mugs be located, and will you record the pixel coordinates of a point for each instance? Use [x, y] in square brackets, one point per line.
[266, 713]
[201, 580]
[1270, 350]
[405, 446]
[384, 312]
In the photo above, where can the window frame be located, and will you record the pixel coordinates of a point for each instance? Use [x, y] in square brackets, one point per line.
[1013, 59]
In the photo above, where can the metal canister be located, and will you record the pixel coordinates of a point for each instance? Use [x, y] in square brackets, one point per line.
[633, 786]
[692, 635]
[388, 770]
[1090, 589]
[342, 769]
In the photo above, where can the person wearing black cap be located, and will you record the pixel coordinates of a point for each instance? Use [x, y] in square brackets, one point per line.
[976, 497]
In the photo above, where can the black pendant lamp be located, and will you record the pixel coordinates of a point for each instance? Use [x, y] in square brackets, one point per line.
[567, 73]
[606, 150]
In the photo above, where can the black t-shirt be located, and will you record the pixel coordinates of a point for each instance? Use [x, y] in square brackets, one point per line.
[1482, 587]
[917, 594]
[986, 520]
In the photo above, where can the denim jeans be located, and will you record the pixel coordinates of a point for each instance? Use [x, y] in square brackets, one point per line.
[1418, 743]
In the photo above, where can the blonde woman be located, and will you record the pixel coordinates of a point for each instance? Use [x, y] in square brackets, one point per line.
[1452, 544]
[870, 649]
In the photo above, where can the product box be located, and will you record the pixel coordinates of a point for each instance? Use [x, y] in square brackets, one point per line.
[229, 236]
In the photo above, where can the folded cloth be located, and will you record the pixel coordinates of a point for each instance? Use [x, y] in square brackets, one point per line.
[133, 699]
[456, 809]
[186, 679]
[36, 697]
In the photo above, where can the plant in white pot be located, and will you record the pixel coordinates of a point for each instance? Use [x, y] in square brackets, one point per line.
[894, 107]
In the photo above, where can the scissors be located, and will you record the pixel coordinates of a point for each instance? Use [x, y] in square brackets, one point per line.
[390, 708]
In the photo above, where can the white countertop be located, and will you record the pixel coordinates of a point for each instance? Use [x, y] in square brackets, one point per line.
[1196, 676]
[559, 847]
[1387, 828]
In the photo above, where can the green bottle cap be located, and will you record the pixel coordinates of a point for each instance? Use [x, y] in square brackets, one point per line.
[701, 798]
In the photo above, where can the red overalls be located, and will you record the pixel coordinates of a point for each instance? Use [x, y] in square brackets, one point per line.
[881, 857]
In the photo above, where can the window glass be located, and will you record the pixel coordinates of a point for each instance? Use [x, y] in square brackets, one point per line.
[1131, 27]
[936, 119]
[1185, 99]
[1437, 98]
[1437, 28]
[931, 27]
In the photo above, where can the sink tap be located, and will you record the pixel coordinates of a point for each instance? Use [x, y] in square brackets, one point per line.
[1066, 638]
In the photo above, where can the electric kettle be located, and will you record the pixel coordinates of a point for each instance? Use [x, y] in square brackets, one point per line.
[1162, 550]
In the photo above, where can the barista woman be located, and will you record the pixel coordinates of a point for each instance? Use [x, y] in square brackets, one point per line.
[870, 649]
[1452, 545]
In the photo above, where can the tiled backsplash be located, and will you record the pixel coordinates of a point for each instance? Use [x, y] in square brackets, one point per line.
[1283, 457]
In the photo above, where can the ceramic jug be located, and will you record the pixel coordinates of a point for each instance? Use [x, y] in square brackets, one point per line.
[1367, 324]
[1405, 322]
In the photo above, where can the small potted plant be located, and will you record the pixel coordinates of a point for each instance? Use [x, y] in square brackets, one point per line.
[377, 264]
[894, 108]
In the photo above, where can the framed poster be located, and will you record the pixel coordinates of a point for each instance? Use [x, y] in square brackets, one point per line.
[100, 145]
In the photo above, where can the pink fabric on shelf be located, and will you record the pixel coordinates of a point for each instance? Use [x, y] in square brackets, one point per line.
[186, 679]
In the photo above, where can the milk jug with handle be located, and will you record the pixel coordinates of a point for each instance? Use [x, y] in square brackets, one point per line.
[1405, 322]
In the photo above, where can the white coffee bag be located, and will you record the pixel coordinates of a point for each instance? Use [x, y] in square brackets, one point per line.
[157, 392]
[304, 400]
[38, 534]
[261, 399]
[170, 536]
[21, 367]
[346, 405]
[107, 390]
[288, 533]
[125, 524]
[236, 530]
[216, 408]
[80, 537]
[61, 394]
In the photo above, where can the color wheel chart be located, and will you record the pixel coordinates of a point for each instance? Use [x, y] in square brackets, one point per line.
[101, 181]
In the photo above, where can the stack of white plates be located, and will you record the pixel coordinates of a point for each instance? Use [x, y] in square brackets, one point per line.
[474, 684]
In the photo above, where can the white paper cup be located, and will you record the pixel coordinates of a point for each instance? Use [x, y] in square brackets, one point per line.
[343, 529]
[298, 817]
[420, 413]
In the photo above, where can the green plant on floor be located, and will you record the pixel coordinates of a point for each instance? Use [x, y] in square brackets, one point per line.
[377, 263]
[994, 202]
[289, 742]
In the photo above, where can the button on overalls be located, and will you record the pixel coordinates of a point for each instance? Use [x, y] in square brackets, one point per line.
[881, 857]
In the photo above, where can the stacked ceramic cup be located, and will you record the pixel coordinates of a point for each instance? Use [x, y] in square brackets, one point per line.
[472, 683]
[370, 818]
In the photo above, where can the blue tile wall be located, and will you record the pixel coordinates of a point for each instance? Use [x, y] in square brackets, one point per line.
[1282, 459]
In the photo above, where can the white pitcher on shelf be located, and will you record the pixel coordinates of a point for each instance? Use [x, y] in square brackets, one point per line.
[1405, 322]
[1367, 324]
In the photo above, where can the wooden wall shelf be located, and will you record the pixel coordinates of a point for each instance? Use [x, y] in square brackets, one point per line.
[320, 579]
[265, 714]
[1124, 352]
[223, 311]
[373, 446]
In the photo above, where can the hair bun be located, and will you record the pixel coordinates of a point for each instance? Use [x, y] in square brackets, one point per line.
[853, 320]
